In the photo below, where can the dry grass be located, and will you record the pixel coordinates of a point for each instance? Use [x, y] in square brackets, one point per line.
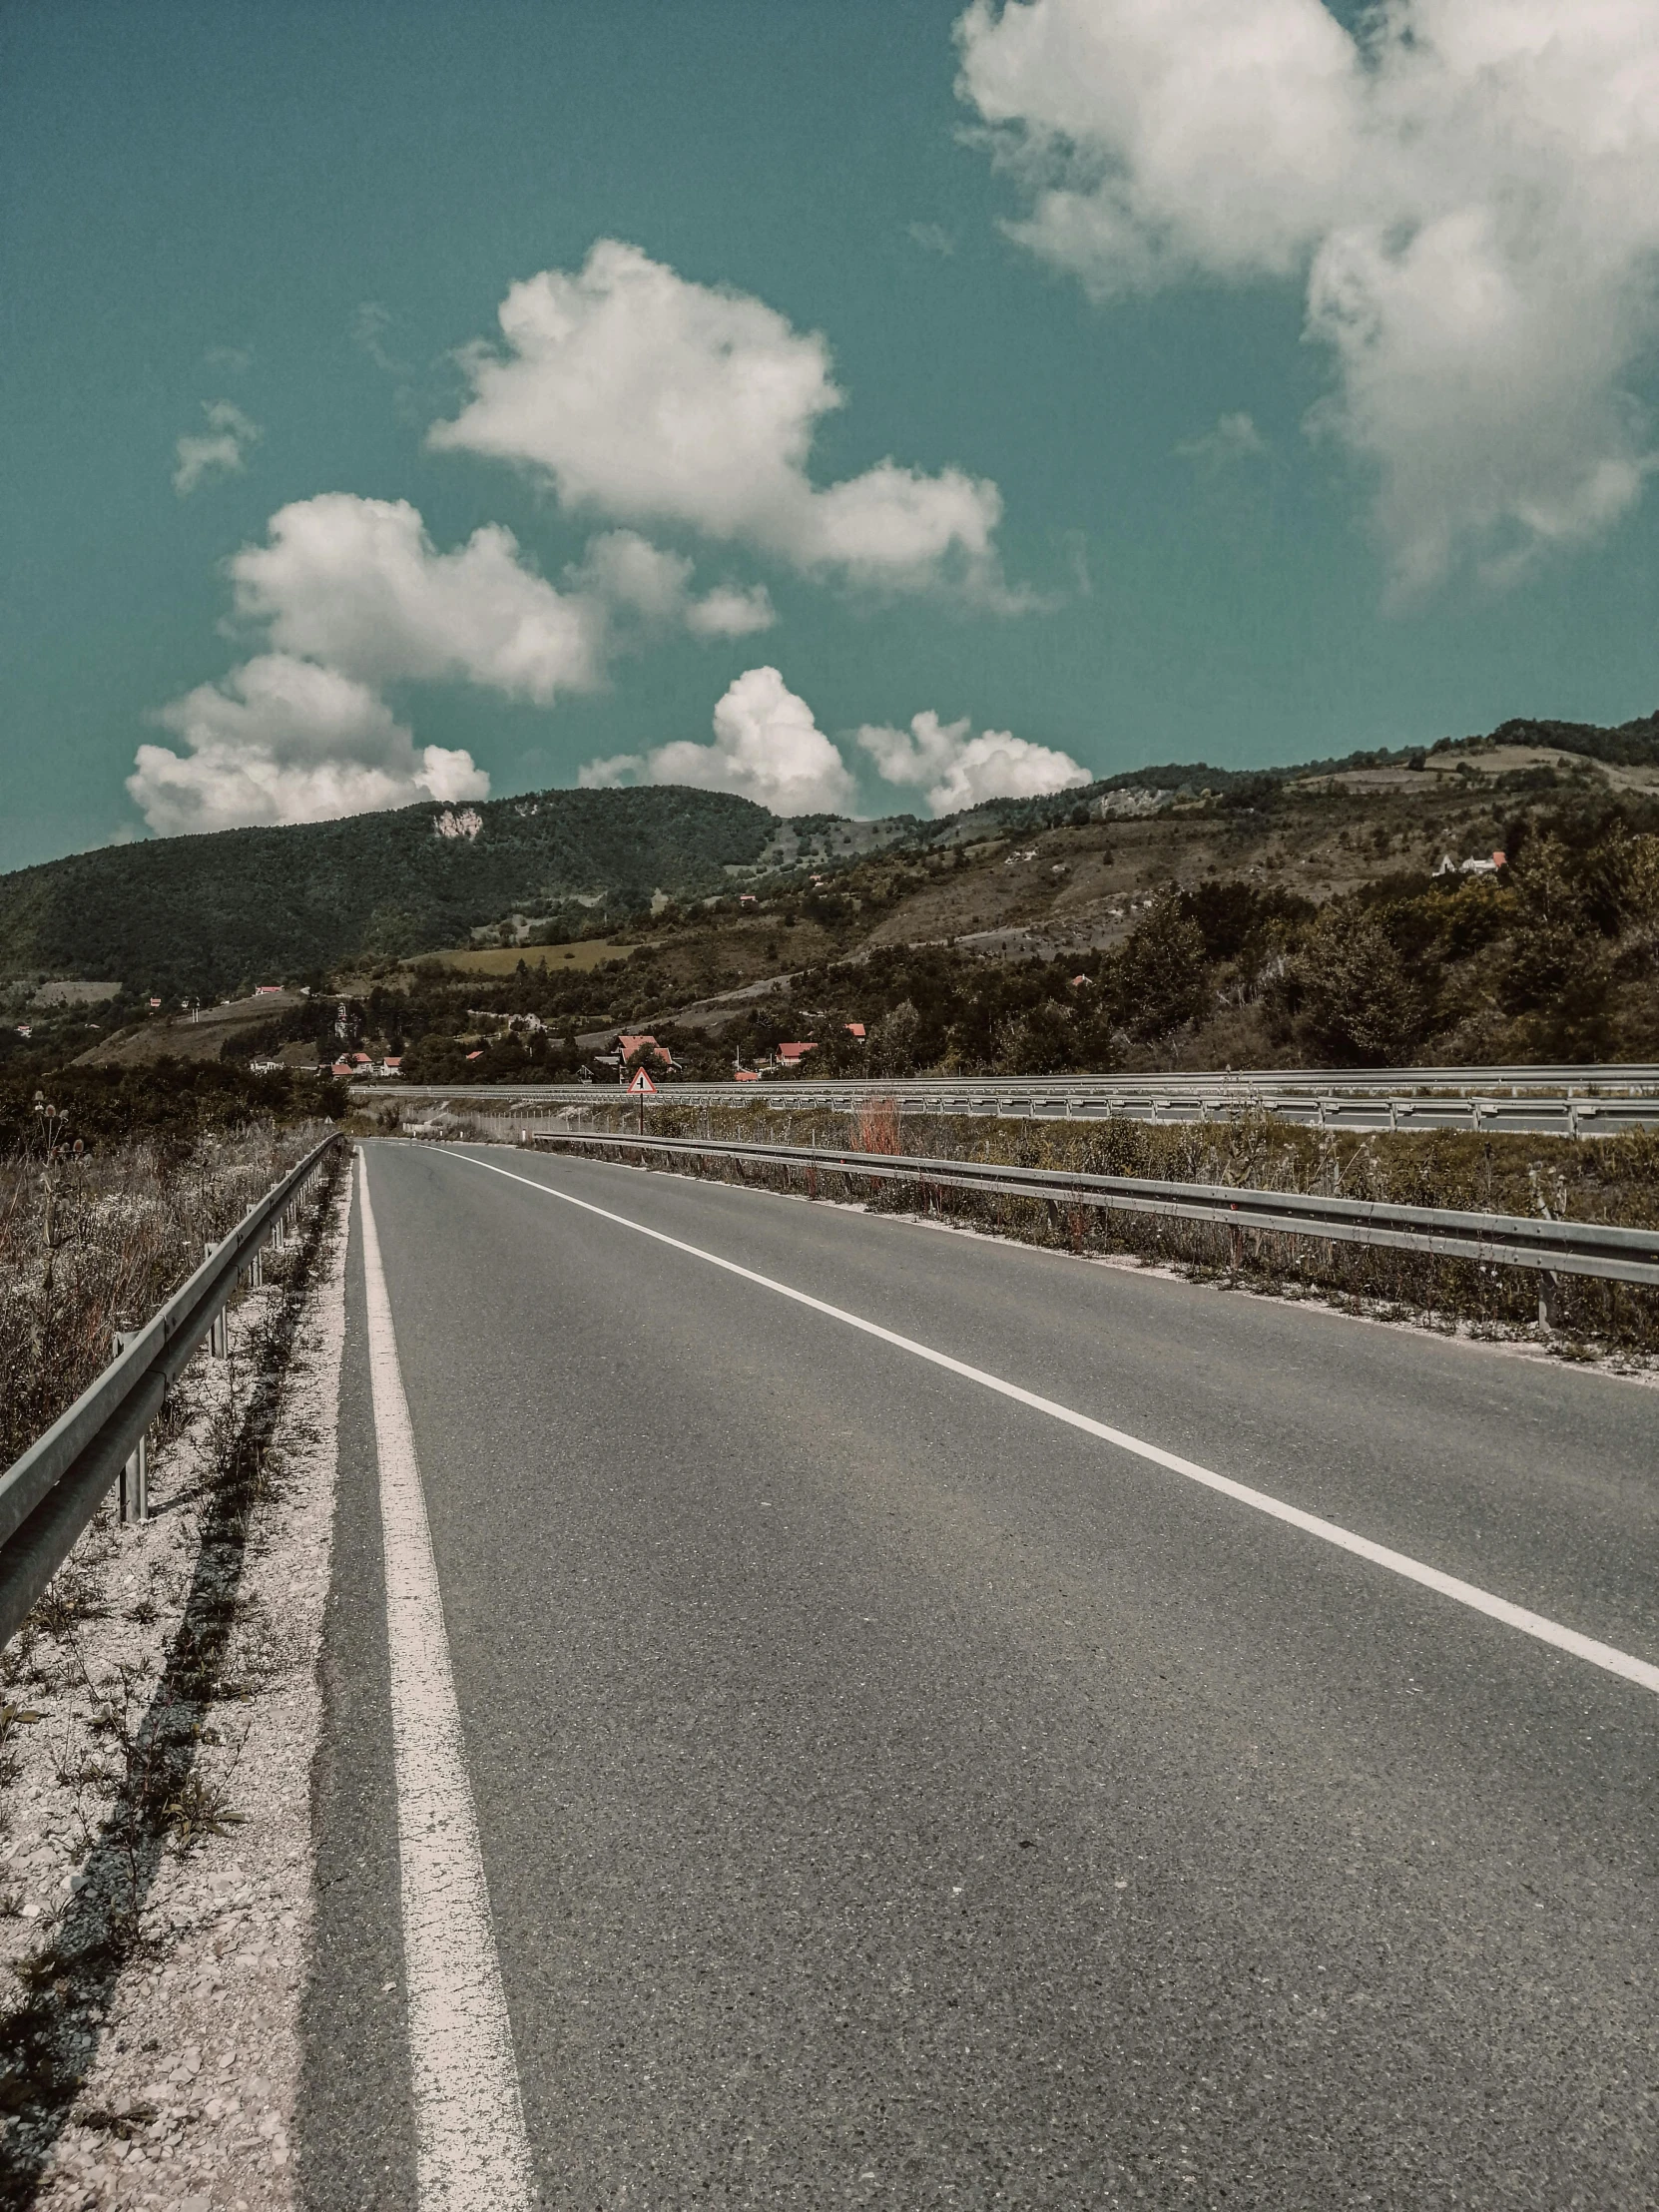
[503, 960]
[92, 1245]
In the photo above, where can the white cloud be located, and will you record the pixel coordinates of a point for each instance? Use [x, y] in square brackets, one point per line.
[1233, 439]
[766, 747]
[650, 398]
[357, 584]
[615, 771]
[1470, 190]
[727, 612]
[282, 739]
[627, 572]
[223, 448]
[960, 770]
[352, 594]
[933, 237]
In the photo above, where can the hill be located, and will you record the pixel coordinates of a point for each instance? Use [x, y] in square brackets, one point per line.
[219, 913]
[213, 916]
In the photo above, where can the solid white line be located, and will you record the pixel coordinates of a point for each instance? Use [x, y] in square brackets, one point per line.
[1546, 1631]
[471, 2150]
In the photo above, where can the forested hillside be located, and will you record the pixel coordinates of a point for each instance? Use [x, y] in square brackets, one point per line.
[217, 914]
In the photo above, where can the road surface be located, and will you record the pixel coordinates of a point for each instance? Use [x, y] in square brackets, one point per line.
[888, 1792]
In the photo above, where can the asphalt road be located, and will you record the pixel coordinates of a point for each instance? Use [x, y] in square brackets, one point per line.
[889, 1796]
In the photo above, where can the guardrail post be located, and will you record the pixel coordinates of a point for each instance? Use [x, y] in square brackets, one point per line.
[135, 1475]
[218, 1335]
[1549, 1299]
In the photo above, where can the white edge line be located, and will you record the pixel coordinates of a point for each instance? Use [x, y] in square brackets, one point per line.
[472, 2153]
[1538, 1625]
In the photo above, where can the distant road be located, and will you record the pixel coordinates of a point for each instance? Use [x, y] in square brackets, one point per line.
[901, 1777]
[1560, 1101]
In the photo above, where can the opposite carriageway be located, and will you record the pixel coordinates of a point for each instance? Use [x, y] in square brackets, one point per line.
[1589, 1101]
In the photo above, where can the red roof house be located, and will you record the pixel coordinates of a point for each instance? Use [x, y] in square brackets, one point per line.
[626, 1047]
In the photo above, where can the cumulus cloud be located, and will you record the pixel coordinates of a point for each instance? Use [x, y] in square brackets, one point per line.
[284, 740]
[650, 398]
[350, 594]
[960, 770]
[727, 612]
[1467, 189]
[766, 747]
[359, 584]
[222, 449]
[623, 571]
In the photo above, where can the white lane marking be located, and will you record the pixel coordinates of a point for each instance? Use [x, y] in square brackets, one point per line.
[1546, 1631]
[471, 2149]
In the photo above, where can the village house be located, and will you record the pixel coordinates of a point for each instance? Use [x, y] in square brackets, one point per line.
[1449, 867]
[625, 1047]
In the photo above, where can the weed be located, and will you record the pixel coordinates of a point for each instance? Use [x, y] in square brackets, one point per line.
[12, 1718]
[75, 1594]
[201, 1808]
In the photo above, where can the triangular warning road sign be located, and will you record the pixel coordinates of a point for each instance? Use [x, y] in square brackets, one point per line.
[641, 1082]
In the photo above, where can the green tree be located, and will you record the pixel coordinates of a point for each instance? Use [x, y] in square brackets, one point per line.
[892, 1042]
[1161, 976]
[1358, 1000]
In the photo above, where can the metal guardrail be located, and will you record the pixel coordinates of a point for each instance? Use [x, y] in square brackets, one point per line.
[48, 1497]
[1502, 1240]
[1541, 1101]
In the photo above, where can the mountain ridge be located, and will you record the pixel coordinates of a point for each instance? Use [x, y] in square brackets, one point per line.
[218, 911]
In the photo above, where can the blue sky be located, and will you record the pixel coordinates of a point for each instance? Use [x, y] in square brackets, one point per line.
[296, 216]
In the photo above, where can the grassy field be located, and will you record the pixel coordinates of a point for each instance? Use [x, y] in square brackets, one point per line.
[503, 960]
[175, 1036]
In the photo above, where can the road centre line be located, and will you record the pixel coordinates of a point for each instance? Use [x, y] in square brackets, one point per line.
[472, 2153]
[1537, 1625]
